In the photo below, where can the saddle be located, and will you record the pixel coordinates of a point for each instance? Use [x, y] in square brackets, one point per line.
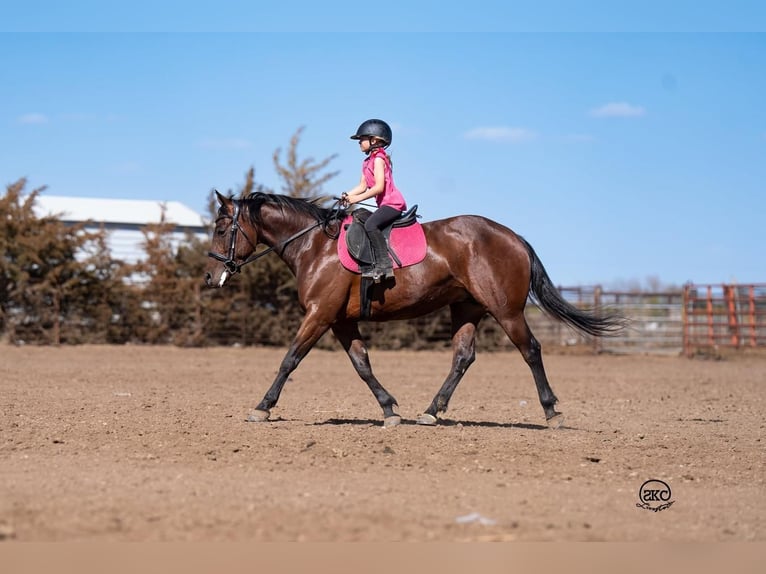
[406, 244]
[358, 243]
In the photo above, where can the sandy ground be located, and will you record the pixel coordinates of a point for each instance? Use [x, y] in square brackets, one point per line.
[150, 444]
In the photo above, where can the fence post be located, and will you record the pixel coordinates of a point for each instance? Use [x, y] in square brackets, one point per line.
[751, 312]
[731, 304]
[685, 320]
[709, 310]
[597, 344]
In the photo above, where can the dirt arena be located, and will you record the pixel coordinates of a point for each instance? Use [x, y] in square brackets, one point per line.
[150, 444]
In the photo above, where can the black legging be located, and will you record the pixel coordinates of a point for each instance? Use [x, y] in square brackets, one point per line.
[384, 215]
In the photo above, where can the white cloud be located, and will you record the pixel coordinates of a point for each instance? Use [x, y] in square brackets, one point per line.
[618, 110]
[501, 134]
[225, 143]
[33, 119]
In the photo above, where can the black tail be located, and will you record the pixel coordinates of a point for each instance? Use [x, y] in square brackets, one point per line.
[544, 293]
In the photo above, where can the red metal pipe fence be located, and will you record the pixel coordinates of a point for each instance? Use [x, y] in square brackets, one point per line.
[730, 316]
[688, 320]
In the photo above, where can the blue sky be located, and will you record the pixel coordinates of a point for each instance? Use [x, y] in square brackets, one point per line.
[622, 148]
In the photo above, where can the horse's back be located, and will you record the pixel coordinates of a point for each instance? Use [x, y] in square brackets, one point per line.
[477, 234]
[481, 253]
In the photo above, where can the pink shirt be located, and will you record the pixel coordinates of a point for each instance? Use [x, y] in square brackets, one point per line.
[391, 195]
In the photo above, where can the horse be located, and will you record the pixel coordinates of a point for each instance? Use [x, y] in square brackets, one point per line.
[474, 265]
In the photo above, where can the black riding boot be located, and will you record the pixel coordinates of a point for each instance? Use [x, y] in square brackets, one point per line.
[383, 268]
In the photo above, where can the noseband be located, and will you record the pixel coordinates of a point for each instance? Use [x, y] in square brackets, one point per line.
[229, 261]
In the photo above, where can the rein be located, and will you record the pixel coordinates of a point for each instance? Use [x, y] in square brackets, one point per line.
[229, 261]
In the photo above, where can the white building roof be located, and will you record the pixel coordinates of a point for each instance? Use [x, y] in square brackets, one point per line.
[125, 211]
[123, 220]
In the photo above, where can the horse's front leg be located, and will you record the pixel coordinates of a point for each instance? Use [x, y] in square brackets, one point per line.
[310, 331]
[348, 335]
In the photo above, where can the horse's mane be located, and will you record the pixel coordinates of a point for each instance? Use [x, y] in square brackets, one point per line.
[309, 207]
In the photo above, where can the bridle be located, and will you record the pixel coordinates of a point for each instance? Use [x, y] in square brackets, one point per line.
[229, 261]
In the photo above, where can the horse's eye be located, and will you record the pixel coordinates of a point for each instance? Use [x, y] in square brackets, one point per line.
[220, 231]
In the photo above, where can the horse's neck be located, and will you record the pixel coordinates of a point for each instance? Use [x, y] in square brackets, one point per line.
[278, 227]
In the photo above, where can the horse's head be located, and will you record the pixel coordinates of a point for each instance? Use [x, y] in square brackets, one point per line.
[234, 241]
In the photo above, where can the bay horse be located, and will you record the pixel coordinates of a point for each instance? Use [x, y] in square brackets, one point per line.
[473, 264]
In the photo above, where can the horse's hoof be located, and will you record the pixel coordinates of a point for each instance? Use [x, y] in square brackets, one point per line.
[555, 421]
[258, 416]
[392, 421]
[426, 419]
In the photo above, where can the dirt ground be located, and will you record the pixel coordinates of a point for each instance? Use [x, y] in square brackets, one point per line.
[150, 444]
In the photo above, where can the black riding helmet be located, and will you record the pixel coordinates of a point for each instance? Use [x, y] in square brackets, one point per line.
[374, 128]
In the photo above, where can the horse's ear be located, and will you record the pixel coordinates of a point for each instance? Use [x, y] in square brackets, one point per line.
[221, 199]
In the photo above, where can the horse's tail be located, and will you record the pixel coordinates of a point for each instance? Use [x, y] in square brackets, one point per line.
[594, 321]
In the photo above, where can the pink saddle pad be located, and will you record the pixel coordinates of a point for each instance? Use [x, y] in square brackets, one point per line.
[409, 244]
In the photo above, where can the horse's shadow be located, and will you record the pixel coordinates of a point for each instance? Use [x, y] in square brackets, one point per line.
[442, 422]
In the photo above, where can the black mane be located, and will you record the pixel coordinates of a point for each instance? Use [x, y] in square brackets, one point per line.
[256, 200]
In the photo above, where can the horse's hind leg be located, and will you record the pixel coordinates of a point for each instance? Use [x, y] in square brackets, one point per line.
[349, 337]
[465, 318]
[517, 329]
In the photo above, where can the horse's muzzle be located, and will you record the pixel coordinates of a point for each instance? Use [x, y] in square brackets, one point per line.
[211, 282]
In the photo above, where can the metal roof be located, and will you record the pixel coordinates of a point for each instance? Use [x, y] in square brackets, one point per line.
[125, 211]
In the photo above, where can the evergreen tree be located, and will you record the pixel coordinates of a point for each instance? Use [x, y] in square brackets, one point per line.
[171, 291]
[110, 305]
[44, 291]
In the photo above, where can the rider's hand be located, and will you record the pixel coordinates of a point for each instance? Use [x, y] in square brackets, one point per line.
[344, 201]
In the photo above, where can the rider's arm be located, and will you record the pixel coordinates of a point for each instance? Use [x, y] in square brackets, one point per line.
[362, 192]
[354, 192]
